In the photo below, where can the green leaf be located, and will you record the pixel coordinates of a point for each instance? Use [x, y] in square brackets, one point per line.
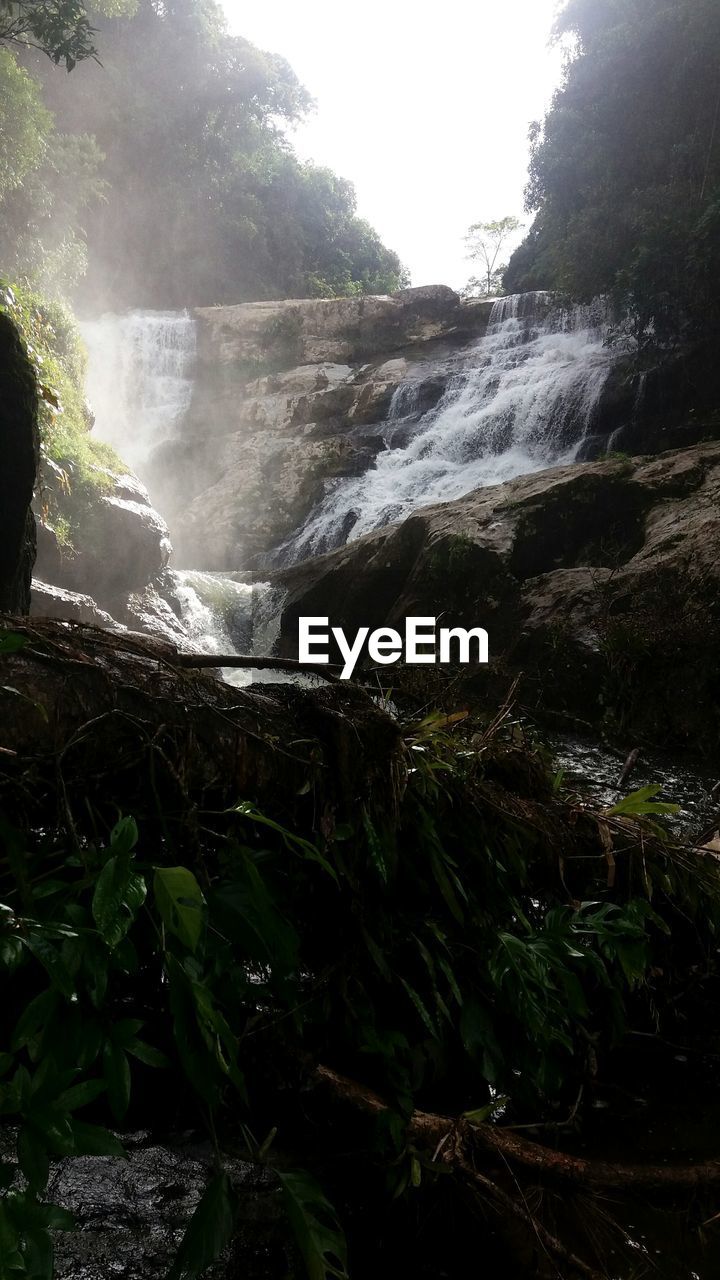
[124, 836]
[34, 1018]
[12, 642]
[79, 1095]
[180, 903]
[33, 1158]
[146, 1053]
[51, 960]
[39, 1254]
[11, 952]
[116, 1070]
[94, 1140]
[640, 804]
[375, 848]
[421, 1008]
[314, 1223]
[248, 810]
[209, 1231]
[119, 894]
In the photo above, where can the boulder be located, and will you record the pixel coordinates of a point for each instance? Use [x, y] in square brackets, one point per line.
[570, 571]
[47, 601]
[346, 330]
[124, 544]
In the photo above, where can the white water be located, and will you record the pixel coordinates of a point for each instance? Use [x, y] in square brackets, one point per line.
[139, 379]
[139, 384]
[523, 402]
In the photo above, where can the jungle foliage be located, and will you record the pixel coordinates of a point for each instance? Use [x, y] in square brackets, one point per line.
[58, 28]
[625, 171]
[74, 464]
[164, 169]
[460, 954]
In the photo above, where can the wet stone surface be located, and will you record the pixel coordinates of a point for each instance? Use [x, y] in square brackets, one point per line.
[131, 1214]
[595, 770]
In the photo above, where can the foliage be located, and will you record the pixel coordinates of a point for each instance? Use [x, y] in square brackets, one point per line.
[485, 242]
[440, 953]
[24, 124]
[59, 28]
[625, 172]
[205, 201]
[47, 181]
[74, 464]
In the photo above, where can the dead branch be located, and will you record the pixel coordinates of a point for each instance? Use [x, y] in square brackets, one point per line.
[469, 1138]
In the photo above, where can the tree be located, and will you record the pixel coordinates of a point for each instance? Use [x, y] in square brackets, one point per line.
[59, 28]
[625, 170]
[485, 241]
[206, 201]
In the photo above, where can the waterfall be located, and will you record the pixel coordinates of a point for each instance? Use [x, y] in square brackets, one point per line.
[139, 383]
[522, 398]
[522, 401]
[139, 379]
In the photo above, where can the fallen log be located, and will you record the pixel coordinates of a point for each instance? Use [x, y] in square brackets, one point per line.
[461, 1140]
[85, 711]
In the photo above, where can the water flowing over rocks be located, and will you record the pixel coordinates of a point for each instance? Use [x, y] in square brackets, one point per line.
[570, 571]
[272, 433]
[288, 398]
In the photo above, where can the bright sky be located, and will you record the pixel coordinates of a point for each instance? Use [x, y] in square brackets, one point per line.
[425, 107]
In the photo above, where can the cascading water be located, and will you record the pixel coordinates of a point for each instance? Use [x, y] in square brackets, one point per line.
[140, 383]
[140, 378]
[523, 401]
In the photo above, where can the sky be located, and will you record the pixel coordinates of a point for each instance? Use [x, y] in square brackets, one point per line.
[424, 107]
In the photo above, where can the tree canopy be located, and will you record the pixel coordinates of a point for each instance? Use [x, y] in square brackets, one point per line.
[625, 172]
[168, 167]
[59, 28]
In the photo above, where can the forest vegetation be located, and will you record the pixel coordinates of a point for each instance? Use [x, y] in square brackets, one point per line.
[625, 170]
[371, 942]
[161, 173]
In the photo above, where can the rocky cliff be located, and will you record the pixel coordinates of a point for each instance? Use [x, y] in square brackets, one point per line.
[600, 582]
[287, 396]
[19, 451]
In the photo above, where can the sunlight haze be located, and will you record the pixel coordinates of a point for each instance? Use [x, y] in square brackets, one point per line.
[428, 120]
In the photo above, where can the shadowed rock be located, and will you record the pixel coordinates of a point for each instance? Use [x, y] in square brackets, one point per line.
[19, 455]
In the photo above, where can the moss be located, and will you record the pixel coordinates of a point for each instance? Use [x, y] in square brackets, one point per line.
[74, 465]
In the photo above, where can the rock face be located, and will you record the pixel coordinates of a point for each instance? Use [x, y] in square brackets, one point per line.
[571, 572]
[287, 396]
[131, 1214]
[125, 544]
[19, 451]
[47, 601]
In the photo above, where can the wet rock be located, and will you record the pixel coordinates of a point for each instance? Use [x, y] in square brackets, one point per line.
[47, 601]
[131, 1214]
[310, 331]
[149, 612]
[48, 561]
[125, 543]
[570, 571]
[288, 397]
